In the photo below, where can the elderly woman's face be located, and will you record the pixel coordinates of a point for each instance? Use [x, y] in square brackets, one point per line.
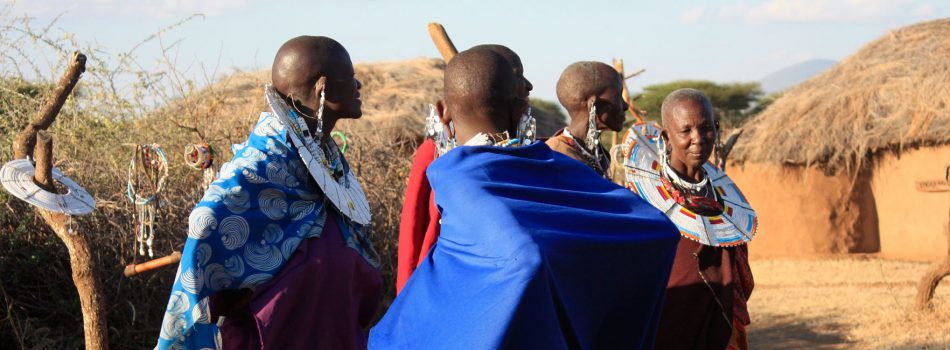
[691, 133]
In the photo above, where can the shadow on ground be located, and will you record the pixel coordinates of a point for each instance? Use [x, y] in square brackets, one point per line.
[788, 332]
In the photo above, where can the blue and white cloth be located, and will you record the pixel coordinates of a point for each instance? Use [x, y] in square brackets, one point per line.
[247, 225]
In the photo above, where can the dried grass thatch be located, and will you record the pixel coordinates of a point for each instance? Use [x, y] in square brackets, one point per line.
[396, 96]
[892, 94]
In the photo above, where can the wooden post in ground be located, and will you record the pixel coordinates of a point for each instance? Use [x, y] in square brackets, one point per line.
[928, 285]
[34, 141]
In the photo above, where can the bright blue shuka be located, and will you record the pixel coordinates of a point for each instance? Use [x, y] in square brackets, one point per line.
[247, 225]
[536, 251]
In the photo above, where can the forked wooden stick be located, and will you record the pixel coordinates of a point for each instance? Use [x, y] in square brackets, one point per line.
[23, 146]
[33, 141]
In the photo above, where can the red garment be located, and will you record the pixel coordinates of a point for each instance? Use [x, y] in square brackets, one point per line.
[744, 284]
[419, 224]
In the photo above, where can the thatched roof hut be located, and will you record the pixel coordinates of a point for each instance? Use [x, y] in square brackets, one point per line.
[831, 165]
[893, 94]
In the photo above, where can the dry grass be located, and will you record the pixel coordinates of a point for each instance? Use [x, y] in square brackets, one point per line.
[892, 94]
[853, 302]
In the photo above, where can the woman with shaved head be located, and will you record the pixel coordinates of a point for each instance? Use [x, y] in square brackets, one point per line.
[704, 306]
[591, 92]
[419, 222]
[535, 250]
[278, 254]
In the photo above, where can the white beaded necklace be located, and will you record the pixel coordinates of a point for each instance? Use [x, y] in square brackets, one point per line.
[686, 185]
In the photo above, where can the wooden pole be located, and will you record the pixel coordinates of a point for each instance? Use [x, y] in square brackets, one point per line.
[618, 65]
[36, 142]
[135, 269]
[442, 41]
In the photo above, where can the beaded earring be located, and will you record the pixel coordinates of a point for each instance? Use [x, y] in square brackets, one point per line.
[593, 134]
[323, 98]
[527, 128]
[661, 149]
[437, 133]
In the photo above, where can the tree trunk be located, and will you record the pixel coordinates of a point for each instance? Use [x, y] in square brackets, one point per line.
[928, 285]
[34, 141]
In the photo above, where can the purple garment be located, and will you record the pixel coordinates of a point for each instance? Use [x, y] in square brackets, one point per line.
[323, 298]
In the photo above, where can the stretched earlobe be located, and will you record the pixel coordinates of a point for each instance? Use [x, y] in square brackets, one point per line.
[320, 86]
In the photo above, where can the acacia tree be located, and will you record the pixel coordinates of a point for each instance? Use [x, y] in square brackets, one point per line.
[732, 102]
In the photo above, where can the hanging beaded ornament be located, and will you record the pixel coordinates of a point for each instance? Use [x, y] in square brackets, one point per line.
[147, 172]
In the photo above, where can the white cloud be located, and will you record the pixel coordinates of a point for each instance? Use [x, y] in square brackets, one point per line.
[814, 11]
[826, 10]
[693, 15]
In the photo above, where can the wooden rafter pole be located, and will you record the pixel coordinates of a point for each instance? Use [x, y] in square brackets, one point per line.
[618, 65]
[442, 41]
[34, 141]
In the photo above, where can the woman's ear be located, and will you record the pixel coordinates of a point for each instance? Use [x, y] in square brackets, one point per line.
[320, 86]
[444, 116]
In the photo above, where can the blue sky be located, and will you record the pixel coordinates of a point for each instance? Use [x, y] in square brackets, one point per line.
[716, 40]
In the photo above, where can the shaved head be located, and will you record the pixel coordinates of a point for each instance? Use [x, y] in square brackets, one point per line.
[509, 55]
[480, 83]
[306, 67]
[686, 97]
[587, 83]
[522, 85]
[584, 79]
[302, 60]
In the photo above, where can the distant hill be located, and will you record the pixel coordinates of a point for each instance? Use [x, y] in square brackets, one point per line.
[794, 74]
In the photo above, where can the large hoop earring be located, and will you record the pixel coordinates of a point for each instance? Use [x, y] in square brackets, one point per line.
[527, 128]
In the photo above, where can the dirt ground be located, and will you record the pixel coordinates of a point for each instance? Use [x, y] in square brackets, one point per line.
[844, 302]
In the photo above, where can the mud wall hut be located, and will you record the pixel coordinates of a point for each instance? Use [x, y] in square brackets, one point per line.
[831, 166]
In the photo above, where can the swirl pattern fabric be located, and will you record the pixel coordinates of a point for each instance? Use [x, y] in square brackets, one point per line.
[536, 251]
[247, 225]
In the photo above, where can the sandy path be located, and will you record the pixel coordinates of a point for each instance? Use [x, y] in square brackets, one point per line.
[853, 302]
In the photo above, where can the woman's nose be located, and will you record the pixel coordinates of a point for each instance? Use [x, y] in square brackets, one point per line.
[697, 138]
[359, 85]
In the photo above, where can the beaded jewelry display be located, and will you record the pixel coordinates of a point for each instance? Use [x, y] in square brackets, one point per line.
[17, 178]
[147, 172]
[200, 156]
